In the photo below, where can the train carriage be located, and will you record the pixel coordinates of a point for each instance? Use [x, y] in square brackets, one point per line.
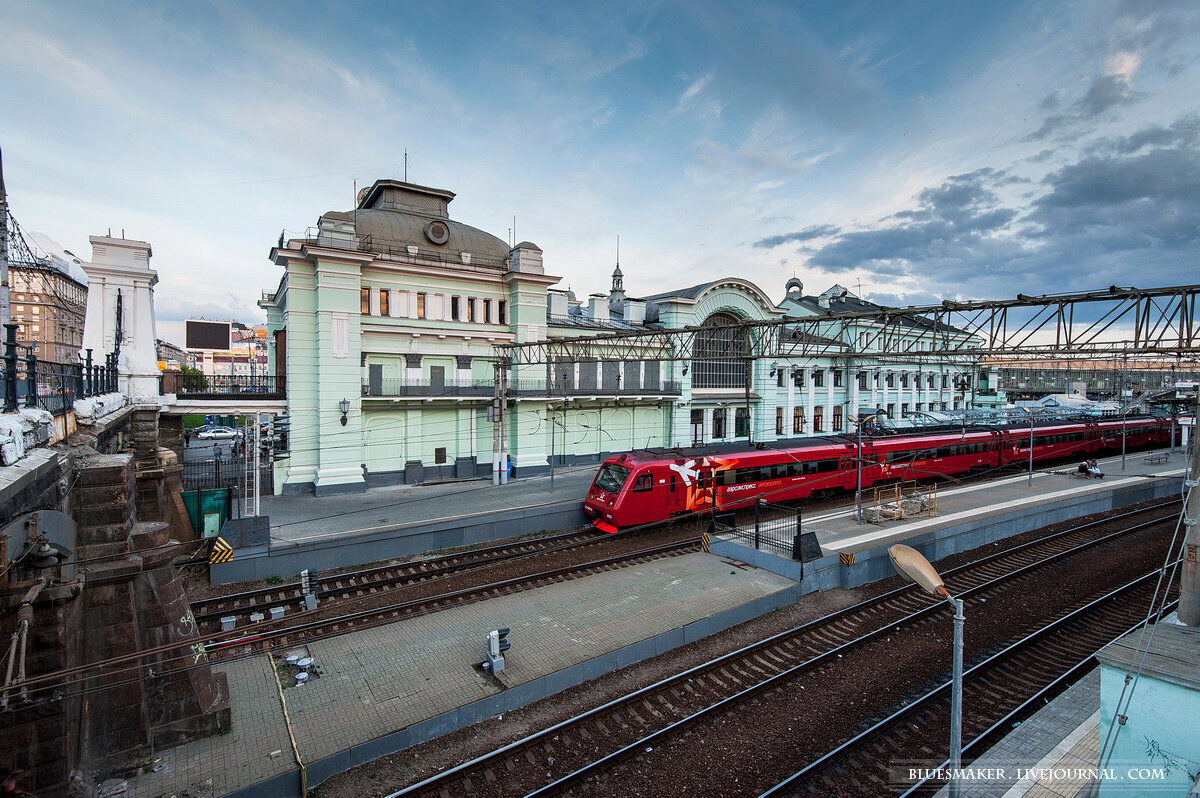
[656, 485]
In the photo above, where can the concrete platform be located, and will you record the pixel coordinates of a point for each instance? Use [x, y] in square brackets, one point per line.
[1048, 755]
[339, 531]
[383, 689]
[968, 516]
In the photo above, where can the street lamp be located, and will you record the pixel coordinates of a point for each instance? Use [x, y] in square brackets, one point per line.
[909, 562]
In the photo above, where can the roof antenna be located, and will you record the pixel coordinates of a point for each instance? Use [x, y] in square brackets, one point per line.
[406, 164]
[514, 229]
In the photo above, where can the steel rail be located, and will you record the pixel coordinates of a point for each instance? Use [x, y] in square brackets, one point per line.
[401, 573]
[1006, 653]
[747, 651]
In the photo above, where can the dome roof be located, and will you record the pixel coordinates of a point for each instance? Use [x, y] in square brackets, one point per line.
[397, 229]
[393, 215]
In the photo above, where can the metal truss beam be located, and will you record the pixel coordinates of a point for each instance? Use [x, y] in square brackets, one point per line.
[1150, 324]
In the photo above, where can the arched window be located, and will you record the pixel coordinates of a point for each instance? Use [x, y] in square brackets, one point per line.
[719, 352]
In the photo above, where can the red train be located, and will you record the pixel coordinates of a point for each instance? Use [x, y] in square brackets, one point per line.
[656, 485]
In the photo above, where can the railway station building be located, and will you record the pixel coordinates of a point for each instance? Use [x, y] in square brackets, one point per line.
[384, 323]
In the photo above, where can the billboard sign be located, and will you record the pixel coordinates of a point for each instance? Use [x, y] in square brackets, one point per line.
[212, 336]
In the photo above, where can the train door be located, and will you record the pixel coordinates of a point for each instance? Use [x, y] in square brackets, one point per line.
[704, 489]
[677, 494]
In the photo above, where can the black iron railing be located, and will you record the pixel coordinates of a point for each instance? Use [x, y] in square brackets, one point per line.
[766, 525]
[54, 387]
[205, 386]
[400, 386]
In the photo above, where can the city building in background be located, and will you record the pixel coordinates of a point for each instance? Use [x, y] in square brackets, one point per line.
[172, 357]
[226, 349]
[48, 301]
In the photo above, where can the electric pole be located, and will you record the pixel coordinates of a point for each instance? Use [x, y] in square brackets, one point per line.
[1189, 584]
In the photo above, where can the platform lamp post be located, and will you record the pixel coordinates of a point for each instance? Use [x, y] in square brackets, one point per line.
[909, 562]
[1031, 413]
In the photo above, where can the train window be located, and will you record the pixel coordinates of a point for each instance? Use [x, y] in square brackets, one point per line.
[828, 465]
[611, 477]
[643, 483]
[671, 486]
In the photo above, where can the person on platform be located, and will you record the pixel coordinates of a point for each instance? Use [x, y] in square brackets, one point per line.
[1094, 469]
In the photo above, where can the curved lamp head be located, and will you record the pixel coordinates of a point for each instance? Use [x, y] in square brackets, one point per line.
[913, 564]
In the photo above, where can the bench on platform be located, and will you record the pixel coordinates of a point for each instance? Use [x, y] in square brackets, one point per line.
[1155, 458]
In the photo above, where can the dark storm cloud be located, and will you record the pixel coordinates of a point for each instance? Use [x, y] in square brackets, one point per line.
[1127, 212]
[951, 219]
[807, 234]
[1105, 93]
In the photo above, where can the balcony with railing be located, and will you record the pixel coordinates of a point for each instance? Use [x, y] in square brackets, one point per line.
[398, 387]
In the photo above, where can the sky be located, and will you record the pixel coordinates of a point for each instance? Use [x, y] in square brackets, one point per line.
[909, 151]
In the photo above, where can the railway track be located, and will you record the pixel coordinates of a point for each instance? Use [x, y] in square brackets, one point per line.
[998, 690]
[368, 581]
[587, 746]
[303, 627]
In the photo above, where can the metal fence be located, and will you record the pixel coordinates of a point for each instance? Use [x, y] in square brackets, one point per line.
[54, 387]
[225, 472]
[765, 526]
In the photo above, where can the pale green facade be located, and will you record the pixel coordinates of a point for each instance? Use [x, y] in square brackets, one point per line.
[393, 310]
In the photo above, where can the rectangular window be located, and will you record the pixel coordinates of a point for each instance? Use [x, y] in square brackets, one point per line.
[643, 483]
[364, 300]
[819, 378]
[891, 410]
[930, 380]
[891, 380]
[819, 418]
[904, 409]
[421, 305]
[945, 382]
[470, 309]
[502, 312]
[487, 311]
[454, 309]
[837, 378]
[779, 421]
[837, 418]
[779, 372]
[862, 381]
[383, 301]
[719, 423]
[904, 380]
[741, 422]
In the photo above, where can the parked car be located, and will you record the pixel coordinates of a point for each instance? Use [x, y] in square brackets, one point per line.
[219, 433]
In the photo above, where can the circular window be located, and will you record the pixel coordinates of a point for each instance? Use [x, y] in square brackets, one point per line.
[437, 232]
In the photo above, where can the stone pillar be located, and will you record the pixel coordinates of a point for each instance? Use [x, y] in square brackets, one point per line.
[120, 267]
[134, 602]
[170, 434]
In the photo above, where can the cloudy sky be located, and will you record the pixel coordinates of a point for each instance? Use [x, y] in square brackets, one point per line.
[921, 150]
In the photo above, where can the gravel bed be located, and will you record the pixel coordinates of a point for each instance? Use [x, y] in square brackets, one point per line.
[389, 773]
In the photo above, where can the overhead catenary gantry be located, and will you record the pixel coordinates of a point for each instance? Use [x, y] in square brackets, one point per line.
[1154, 323]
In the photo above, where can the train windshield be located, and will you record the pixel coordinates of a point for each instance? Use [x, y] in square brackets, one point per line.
[611, 477]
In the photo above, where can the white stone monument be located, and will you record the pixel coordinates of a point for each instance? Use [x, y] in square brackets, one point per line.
[120, 267]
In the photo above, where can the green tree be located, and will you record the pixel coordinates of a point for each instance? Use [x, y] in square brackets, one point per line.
[194, 380]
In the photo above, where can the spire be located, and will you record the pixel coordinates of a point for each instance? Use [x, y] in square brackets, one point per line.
[616, 294]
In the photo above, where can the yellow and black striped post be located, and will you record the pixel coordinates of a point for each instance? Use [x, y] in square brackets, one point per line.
[705, 539]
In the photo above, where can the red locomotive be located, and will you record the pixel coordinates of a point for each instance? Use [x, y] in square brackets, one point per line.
[656, 485]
